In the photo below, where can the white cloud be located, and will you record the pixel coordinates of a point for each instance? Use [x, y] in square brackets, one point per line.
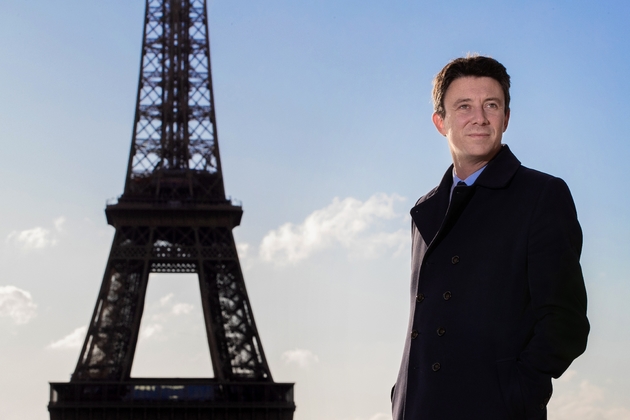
[303, 358]
[182, 308]
[59, 222]
[381, 416]
[567, 376]
[166, 308]
[17, 304]
[379, 243]
[377, 416]
[160, 315]
[583, 402]
[74, 340]
[35, 238]
[346, 222]
[242, 249]
[166, 299]
[151, 330]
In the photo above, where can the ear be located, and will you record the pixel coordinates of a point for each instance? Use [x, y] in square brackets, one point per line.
[439, 123]
[507, 119]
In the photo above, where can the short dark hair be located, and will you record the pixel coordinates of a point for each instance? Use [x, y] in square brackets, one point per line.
[472, 65]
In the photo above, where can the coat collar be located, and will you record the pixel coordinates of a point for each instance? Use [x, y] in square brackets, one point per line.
[500, 170]
[429, 212]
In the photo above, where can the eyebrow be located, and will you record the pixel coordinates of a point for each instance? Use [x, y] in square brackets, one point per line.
[464, 100]
[459, 101]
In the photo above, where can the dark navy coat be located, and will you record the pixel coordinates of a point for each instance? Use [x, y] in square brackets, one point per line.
[498, 303]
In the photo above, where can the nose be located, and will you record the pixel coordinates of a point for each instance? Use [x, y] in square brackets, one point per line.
[479, 116]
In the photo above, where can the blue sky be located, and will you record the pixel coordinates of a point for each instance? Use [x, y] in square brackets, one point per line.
[323, 113]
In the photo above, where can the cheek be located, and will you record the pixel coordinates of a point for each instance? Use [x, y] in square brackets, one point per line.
[462, 120]
[498, 124]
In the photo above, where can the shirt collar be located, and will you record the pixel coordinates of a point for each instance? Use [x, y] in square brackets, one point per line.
[470, 180]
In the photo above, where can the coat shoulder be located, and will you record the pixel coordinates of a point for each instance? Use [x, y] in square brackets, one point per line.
[427, 196]
[535, 178]
[533, 175]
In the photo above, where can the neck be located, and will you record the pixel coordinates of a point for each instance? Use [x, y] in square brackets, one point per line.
[465, 167]
[464, 171]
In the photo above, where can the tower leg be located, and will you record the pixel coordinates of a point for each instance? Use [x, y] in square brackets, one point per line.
[107, 352]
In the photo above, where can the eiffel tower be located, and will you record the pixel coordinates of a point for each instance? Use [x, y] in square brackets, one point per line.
[173, 217]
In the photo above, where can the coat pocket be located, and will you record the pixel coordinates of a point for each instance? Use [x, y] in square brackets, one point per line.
[525, 392]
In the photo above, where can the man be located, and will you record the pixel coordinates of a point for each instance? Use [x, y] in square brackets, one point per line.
[498, 303]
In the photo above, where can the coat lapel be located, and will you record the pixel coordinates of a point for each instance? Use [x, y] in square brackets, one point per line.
[500, 170]
[460, 199]
[430, 210]
[432, 214]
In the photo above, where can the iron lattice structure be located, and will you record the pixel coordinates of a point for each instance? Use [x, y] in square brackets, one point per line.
[173, 217]
[174, 151]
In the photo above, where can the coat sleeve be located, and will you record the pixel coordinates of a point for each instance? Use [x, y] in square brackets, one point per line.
[556, 284]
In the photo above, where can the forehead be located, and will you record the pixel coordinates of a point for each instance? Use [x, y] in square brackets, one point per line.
[471, 88]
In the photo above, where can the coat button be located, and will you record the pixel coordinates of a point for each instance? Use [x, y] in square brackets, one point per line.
[441, 331]
[455, 259]
[419, 297]
[447, 295]
[414, 334]
[435, 366]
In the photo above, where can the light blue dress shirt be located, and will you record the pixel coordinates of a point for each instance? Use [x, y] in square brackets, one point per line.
[468, 181]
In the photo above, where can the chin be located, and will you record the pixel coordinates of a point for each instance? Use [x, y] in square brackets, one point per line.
[486, 151]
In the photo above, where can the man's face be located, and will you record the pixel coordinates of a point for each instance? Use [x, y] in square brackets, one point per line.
[474, 120]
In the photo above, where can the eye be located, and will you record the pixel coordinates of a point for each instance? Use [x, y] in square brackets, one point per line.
[492, 105]
[464, 106]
